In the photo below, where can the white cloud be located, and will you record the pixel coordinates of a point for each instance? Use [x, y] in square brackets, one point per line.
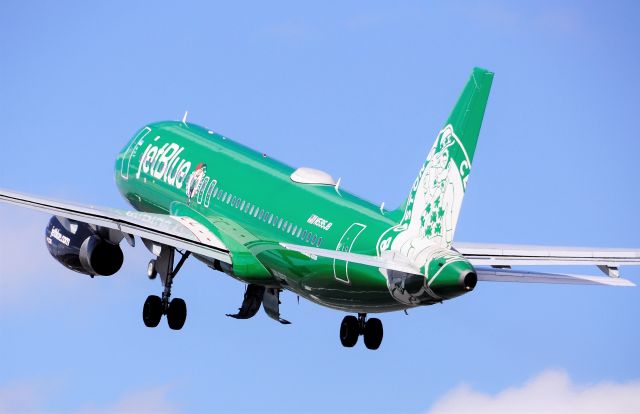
[31, 279]
[152, 400]
[32, 397]
[550, 392]
[21, 397]
[22, 233]
[25, 263]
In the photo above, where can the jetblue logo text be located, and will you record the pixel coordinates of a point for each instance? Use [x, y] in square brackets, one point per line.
[164, 163]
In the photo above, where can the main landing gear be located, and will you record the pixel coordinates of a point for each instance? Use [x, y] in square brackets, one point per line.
[154, 307]
[351, 328]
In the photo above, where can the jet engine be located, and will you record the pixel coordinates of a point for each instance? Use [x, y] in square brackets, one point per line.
[84, 248]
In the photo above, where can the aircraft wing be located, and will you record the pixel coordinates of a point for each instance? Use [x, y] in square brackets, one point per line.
[172, 230]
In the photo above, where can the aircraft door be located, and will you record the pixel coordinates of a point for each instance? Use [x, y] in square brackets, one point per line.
[133, 149]
[340, 267]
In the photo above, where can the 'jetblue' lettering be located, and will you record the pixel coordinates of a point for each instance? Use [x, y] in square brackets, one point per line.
[164, 163]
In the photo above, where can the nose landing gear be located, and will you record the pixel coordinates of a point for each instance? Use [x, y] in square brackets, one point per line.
[154, 307]
[351, 328]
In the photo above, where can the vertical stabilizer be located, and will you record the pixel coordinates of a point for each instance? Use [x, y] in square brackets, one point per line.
[432, 208]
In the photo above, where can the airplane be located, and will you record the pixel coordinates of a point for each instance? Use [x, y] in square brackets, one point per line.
[195, 192]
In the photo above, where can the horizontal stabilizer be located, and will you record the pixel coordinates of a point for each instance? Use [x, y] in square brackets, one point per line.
[484, 254]
[509, 275]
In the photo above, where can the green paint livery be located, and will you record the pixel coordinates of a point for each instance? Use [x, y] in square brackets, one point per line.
[277, 228]
[251, 199]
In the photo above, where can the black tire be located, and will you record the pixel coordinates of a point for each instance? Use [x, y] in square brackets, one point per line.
[373, 333]
[152, 311]
[177, 314]
[151, 270]
[349, 331]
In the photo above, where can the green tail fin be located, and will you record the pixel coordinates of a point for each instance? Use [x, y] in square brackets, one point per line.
[466, 117]
[432, 208]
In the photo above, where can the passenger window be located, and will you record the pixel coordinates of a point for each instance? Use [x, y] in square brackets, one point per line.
[261, 214]
[219, 194]
[230, 199]
[313, 239]
[293, 233]
[207, 199]
[319, 242]
[304, 233]
[270, 218]
[252, 208]
[289, 228]
[201, 186]
[224, 196]
[280, 223]
[243, 204]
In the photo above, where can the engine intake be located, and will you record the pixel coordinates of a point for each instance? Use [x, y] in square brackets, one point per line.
[82, 248]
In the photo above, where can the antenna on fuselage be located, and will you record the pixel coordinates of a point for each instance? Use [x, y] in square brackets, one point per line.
[382, 207]
[184, 117]
[338, 185]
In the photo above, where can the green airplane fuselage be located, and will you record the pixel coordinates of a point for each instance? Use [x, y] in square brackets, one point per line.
[198, 193]
[252, 204]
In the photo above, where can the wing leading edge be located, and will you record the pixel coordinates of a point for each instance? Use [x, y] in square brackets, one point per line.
[175, 231]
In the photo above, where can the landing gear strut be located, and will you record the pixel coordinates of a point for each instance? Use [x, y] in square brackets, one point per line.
[351, 328]
[154, 307]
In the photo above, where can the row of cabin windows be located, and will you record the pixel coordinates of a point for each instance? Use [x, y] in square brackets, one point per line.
[252, 210]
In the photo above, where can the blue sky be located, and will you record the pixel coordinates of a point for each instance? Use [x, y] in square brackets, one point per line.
[358, 89]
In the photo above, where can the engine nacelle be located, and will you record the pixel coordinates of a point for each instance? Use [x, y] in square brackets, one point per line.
[83, 248]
